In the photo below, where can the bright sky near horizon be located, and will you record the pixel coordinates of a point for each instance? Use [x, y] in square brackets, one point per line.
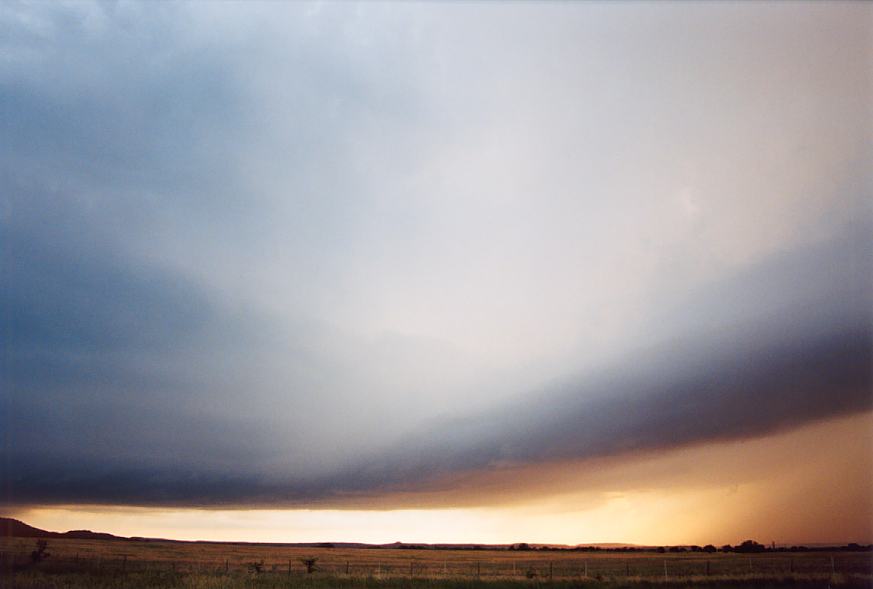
[718, 494]
[545, 272]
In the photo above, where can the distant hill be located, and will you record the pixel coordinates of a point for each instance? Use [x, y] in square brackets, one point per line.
[14, 528]
[10, 527]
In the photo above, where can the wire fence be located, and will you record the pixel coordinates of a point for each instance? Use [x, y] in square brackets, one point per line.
[637, 566]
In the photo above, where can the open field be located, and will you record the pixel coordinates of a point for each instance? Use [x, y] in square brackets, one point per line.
[168, 580]
[111, 563]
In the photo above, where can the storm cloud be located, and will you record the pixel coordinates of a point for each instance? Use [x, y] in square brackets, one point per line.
[754, 371]
[268, 254]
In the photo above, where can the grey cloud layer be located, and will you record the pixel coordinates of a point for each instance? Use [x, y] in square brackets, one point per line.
[290, 252]
[743, 373]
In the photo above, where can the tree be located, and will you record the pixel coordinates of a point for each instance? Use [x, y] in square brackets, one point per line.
[750, 546]
[40, 553]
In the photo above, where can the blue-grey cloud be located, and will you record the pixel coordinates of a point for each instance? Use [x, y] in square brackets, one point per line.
[806, 361]
[284, 253]
[740, 375]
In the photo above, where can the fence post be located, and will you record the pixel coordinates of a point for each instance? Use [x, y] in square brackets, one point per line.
[347, 567]
[665, 569]
[707, 568]
[626, 569]
[478, 569]
[833, 566]
[124, 564]
[586, 568]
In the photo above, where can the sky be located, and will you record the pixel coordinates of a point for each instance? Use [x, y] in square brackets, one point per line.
[438, 272]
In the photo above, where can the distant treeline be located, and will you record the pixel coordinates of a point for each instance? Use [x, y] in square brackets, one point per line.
[748, 546]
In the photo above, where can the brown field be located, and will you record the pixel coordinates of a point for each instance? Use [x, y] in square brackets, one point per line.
[130, 556]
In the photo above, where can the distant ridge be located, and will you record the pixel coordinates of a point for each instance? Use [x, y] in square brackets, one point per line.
[14, 528]
[10, 527]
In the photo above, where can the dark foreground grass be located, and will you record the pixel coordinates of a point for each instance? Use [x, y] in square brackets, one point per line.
[161, 579]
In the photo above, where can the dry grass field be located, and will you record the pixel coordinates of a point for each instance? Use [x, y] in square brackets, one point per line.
[111, 563]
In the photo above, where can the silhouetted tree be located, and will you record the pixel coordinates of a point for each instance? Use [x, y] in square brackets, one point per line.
[40, 553]
[750, 546]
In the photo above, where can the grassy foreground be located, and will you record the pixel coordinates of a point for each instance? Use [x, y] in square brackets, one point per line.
[108, 557]
[92, 564]
[159, 579]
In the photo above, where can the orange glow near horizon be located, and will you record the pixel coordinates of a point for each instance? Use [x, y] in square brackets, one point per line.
[804, 486]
